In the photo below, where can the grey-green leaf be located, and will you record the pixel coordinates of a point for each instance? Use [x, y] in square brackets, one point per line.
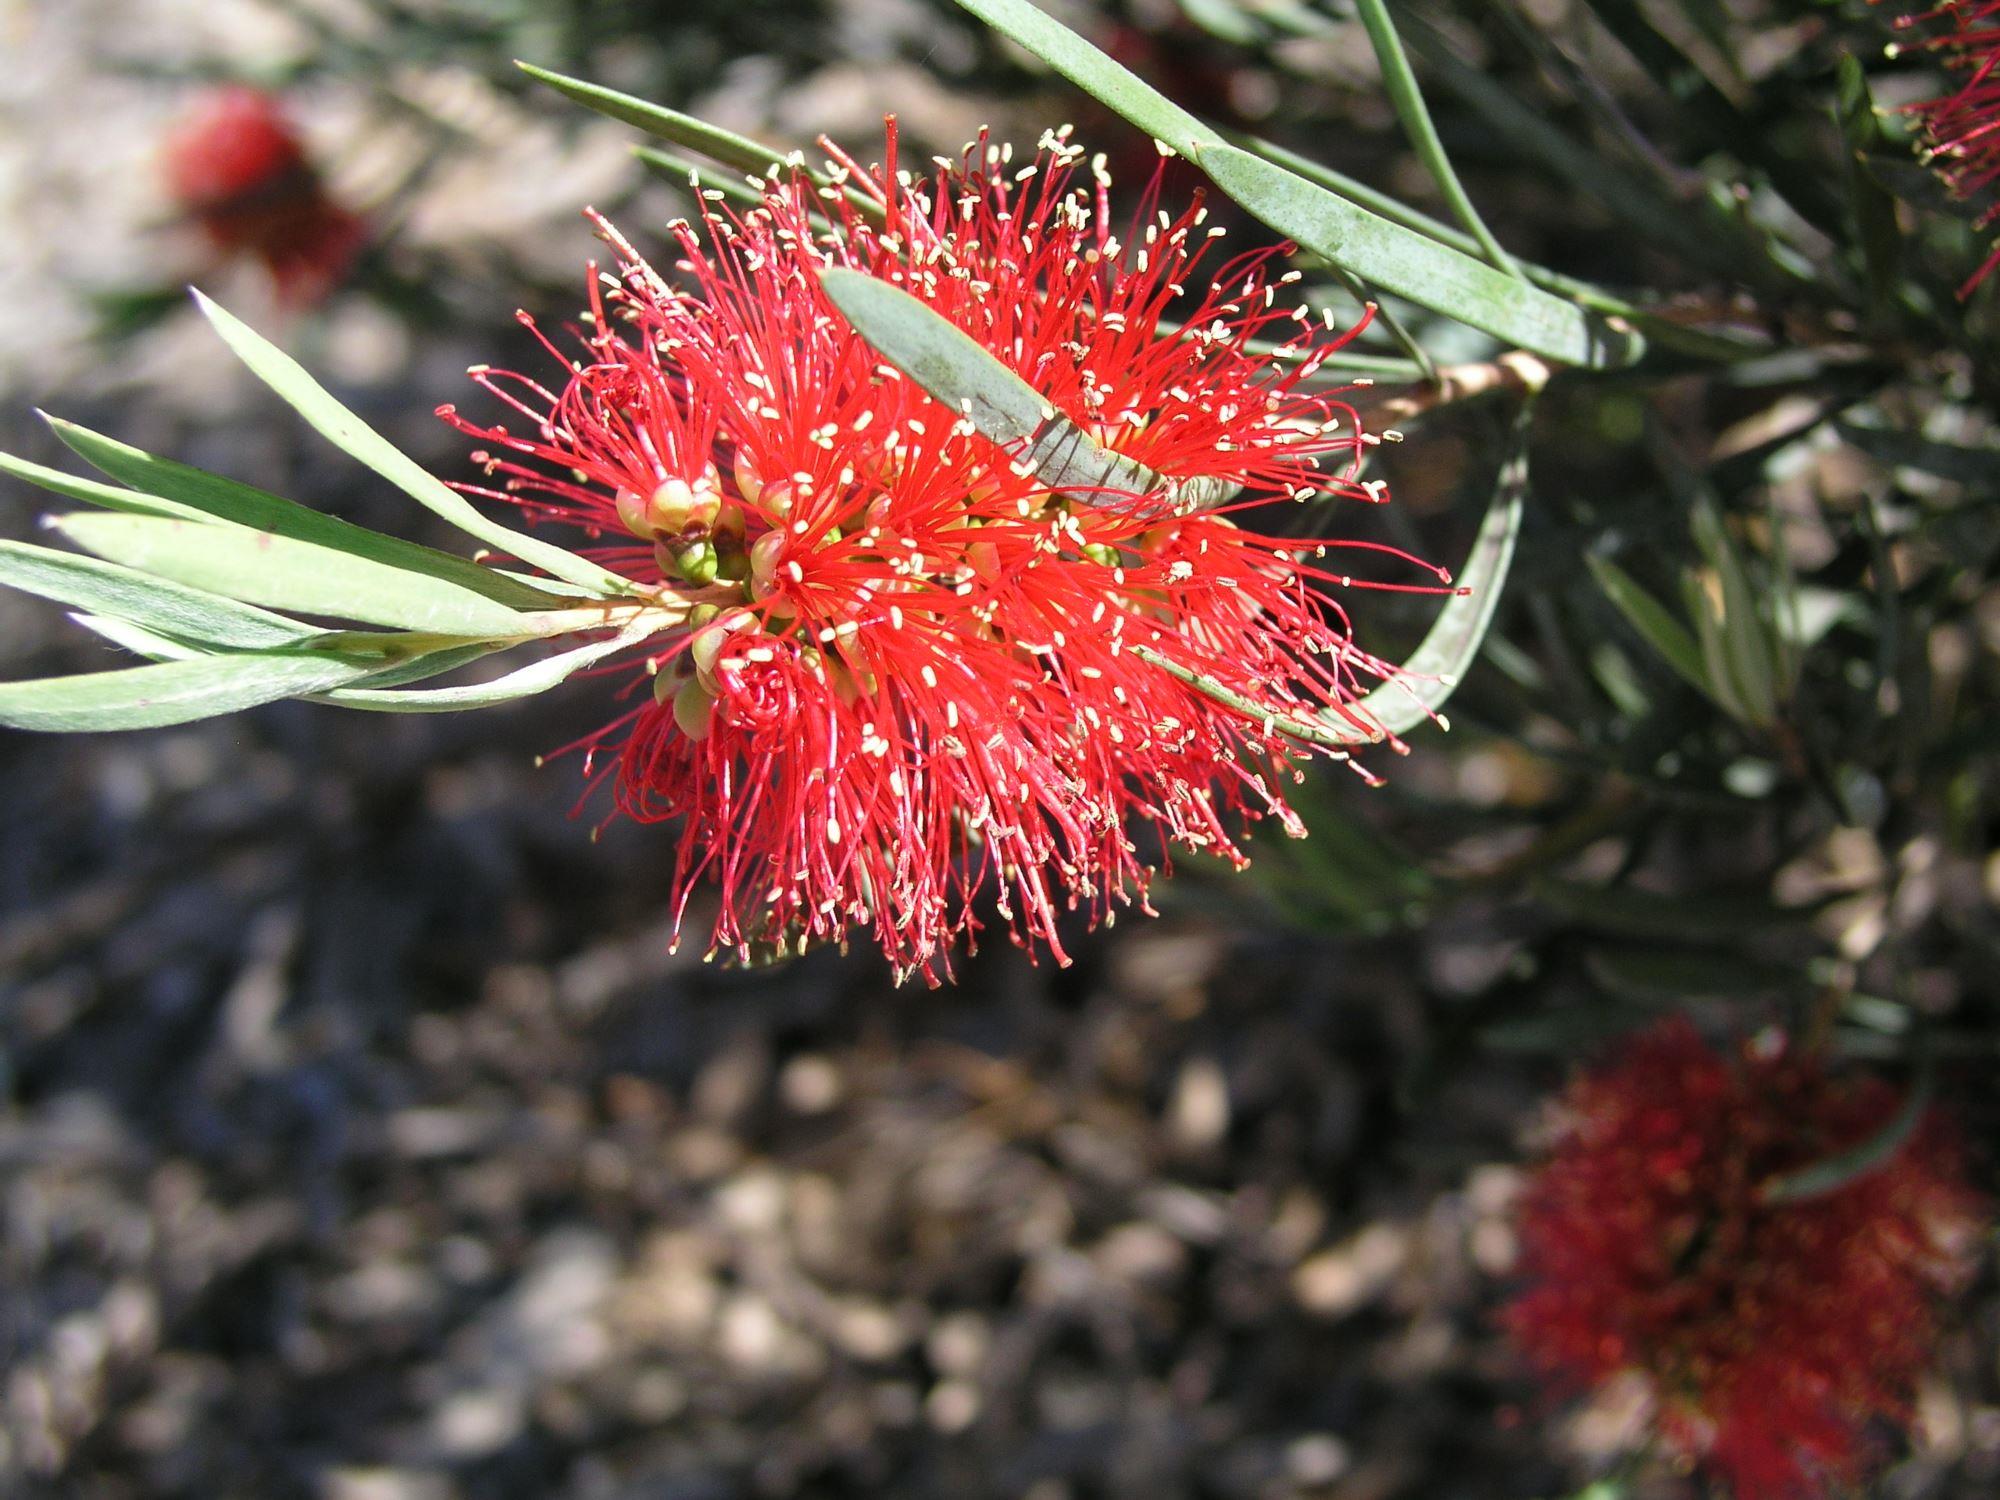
[1110, 83]
[950, 364]
[259, 568]
[1873, 207]
[1380, 252]
[137, 639]
[712, 141]
[172, 692]
[126, 594]
[1452, 644]
[1653, 621]
[198, 491]
[1441, 658]
[522, 682]
[355, 438]
[1870, 1154]
[1417, 268]
[1400, 83]
[94, 491]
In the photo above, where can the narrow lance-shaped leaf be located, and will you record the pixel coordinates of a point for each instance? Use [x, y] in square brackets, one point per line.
[355, 438]
[156, 647]
[685, 172]
[1719, 677]
[1874, 209]
[1956, 462]
[1111, 83]
[522, 682]
[1651, 619]
[259, 568]
[950, 364]
[1714, 242]
[173, 692]
[1441, 659]
[1416, 268]
[712, 141]
[95, 491]
[1380, 252]
[138, 639]
[1400, 81]
[1701, 343]
[1440, 662]
[1870, 1154]
[156, 603]
[196, 490]
[1746, 639]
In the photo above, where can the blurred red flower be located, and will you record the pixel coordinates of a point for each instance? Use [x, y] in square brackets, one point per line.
[1772, 1332]
[916, 671]
[1961, 129]
[237, 168]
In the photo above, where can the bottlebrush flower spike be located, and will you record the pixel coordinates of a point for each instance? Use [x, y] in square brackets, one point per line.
[1961, 129]
[240, 171]
[1772, 1332]
[914, 671]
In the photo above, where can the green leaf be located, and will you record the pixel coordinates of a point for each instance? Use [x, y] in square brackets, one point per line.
[94, 492]
[355, 438]
[1719, 677]
[173, 692]
[523, 682]
[1871, 1154]
[1441, 659]
[1110, 83]
[1222, 19]
[142, 642]
[137, 638]
[1657, 330]
[1651, 619]
[1400, 82]
[1873, 207]
[259, 568]
[126, 594]
[1529, 134]
[1383, 253]
[1710, 112]
[1745, 636]
[1907, 450]
[1448, 651]
[197, 492]
[1417, 268]
[684, 172]
[952, 366]
[712, 141]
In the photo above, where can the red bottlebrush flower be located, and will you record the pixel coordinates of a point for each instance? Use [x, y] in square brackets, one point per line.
[1961, 129]
[237, 168]
[912, 670]
[1772, 1332]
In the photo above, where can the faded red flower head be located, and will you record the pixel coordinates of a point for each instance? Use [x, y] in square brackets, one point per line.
[1772, 1332]
[238, 169]
[912, 671]
[1961, 128]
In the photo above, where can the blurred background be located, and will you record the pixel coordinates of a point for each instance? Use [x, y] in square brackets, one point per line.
[359, 1139]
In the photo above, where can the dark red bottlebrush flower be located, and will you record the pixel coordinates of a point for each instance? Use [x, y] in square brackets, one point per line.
[1961, 129]
[239, 170]
[913, 671]
[1772, 1332]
